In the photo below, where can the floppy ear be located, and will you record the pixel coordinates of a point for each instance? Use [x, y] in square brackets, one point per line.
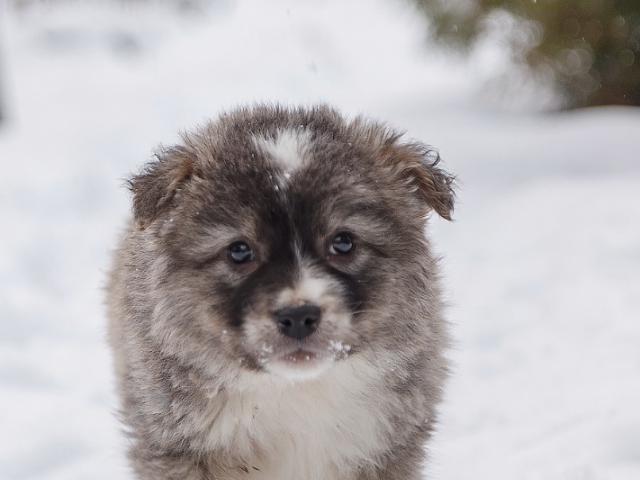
[417, 164]
[156, 185]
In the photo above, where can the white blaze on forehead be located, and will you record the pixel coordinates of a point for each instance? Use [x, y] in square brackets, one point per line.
[288, 148]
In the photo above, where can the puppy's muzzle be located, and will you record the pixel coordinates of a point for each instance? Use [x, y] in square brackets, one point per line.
[298, 322]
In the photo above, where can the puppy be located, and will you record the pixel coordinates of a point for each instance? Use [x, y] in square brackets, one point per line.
[274, 306]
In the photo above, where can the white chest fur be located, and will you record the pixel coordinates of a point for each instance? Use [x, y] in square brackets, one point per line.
[319, 429]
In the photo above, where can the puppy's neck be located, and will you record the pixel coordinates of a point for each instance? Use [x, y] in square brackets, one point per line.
[271, 427]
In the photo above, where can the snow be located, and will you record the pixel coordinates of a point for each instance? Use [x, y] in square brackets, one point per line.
[541, 266]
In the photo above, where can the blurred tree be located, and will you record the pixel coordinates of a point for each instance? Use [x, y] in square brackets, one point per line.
[590, 48]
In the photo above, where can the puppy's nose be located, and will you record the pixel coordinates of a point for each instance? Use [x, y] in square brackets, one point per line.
[298, 322]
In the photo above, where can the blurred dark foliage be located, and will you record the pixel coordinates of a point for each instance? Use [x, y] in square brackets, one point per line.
[589, 48]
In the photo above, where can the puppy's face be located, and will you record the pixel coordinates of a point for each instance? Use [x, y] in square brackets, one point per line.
[284, 248]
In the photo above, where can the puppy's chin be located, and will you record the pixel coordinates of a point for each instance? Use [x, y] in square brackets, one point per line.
[304, 362]
[299, 365]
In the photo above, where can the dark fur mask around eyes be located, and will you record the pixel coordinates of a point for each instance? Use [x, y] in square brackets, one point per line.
[224, 188]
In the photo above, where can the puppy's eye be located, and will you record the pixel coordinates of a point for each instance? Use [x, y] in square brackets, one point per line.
[342, 244]
[240, 252]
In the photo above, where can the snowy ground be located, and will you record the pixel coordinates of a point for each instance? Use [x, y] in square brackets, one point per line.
[542, 264]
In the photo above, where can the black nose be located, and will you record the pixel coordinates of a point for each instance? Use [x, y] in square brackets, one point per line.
[298, 322]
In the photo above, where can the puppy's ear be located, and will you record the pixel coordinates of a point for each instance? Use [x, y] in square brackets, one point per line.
[417, 165]
[156, 185]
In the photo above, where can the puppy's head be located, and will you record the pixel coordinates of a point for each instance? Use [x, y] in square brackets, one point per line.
[285, 240]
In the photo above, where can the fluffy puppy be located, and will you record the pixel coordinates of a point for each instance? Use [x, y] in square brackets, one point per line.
[274, 306]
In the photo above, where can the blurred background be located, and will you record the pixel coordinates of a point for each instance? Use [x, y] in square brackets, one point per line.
[533, 105]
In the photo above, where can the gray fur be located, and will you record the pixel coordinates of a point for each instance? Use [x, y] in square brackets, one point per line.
[199, 398]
